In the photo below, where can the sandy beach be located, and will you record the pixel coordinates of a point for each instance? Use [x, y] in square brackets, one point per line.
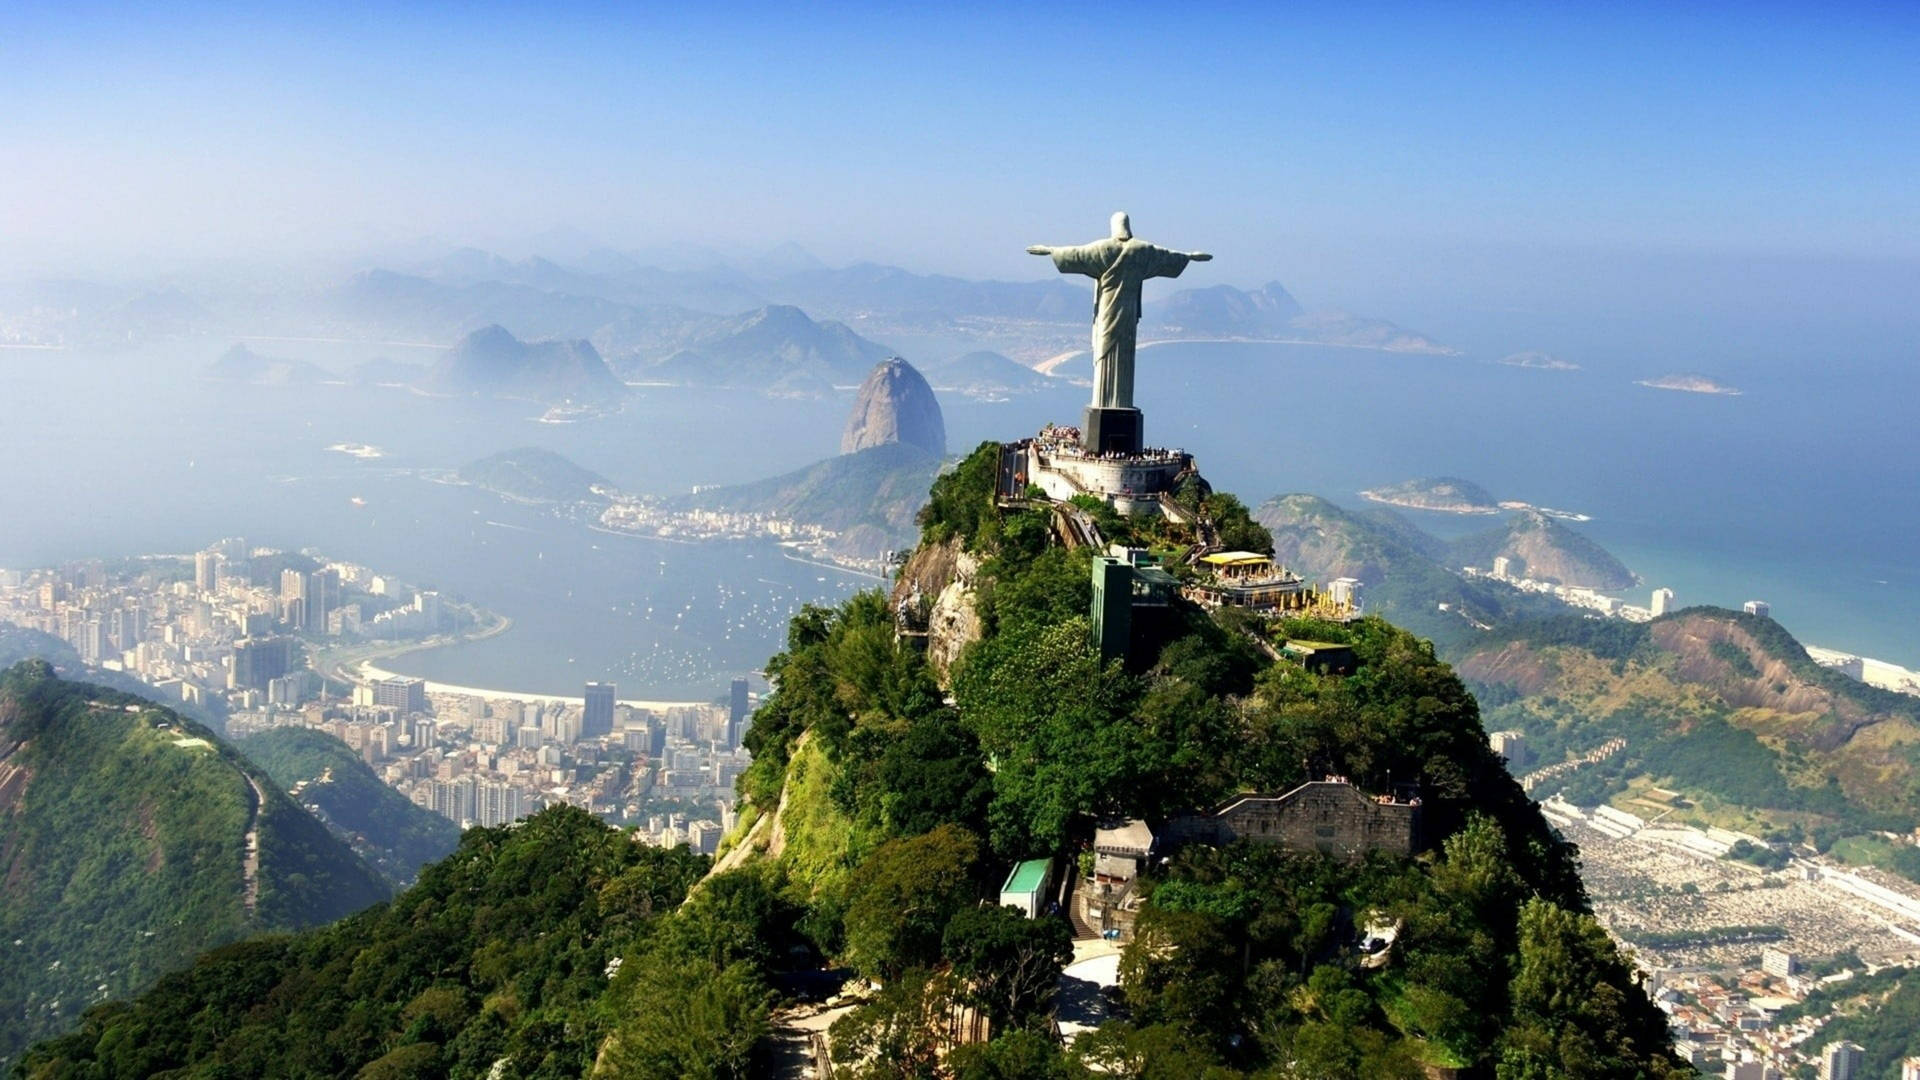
[367, 672]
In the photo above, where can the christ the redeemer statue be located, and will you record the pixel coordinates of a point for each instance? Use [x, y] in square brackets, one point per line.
[1118, 265]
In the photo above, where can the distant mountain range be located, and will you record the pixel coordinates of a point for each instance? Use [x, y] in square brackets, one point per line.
[1409, 575]
[132, 839]
[760, 349]
[1224, 310]
[242, 365]
[490, 362]
[1545, 550]
[983, 373]
[638, 313]
[1444, 494]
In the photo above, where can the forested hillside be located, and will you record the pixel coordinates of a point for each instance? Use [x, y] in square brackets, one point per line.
[127, 836]
[498, 957]
[324, 775]
[884, 807]
[1722, 706]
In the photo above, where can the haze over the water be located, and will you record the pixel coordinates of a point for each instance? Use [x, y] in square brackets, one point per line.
[1463, 170]
[1726, 191]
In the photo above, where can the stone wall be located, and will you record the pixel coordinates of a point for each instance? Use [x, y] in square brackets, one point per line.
[1132, 485]
[1328, 816]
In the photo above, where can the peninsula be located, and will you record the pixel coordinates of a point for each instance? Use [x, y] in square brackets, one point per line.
[1445, 494]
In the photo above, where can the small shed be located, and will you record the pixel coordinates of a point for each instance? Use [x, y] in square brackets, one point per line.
[1027, 886]
[1322, 657]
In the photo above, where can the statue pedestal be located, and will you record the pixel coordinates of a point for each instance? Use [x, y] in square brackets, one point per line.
[1112, 431]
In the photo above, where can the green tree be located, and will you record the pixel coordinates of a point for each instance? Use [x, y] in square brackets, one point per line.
[1017, 1055]
[1008, 965]
[1054, 719]
[1148, 1052]
[900, 898]
[691, 1023]
[1576, 1011]
[899, 1035]
[1182, 968]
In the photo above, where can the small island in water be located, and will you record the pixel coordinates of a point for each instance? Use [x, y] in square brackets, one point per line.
[1446, 494]
[1539, 361]
[1692, 384]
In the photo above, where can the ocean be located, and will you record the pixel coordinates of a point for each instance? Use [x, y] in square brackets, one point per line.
[1800, 491]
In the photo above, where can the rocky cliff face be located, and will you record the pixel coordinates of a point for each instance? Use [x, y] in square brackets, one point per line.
[895, 406]
[939, 578]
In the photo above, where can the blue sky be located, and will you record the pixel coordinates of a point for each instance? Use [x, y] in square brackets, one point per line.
[1317, 143]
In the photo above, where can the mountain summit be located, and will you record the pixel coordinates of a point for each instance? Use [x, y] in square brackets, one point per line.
[895, 406]
[490, 362]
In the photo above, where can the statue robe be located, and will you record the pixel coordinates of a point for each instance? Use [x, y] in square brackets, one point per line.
[1118, 267]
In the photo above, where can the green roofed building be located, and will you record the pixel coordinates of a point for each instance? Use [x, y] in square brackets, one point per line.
[1321, 658]
[1027, 886]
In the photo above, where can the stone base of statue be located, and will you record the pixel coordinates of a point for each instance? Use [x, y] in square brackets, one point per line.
[1113, 431]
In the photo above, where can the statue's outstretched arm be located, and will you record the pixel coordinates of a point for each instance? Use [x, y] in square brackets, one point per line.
[1199, 256]
[1039, 249]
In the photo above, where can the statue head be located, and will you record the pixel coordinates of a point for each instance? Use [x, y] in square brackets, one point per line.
[1122, 228]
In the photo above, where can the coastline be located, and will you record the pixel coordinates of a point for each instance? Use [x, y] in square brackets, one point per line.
[1407, 504]
[367, 672]
[341, 664]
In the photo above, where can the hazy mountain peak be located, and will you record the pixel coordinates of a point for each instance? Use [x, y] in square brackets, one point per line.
[895, 405]
[492, 362]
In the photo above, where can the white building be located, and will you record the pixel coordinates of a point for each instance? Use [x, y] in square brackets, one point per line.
[1758, 607]
[1345, 592]
[1502, 567]
[1779, 963]
[1511, 745]
[1662, 601]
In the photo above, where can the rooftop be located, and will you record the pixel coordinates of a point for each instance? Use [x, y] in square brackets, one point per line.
[1235, 558]
[1026, 877]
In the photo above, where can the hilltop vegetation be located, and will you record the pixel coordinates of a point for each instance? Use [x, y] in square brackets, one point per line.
[1722, 706]
[883, 807]
[394, 836]
[123, 844]
[501, 952]
[1244, 961]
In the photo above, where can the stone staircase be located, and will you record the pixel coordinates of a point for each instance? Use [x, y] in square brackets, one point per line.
[1082, 930]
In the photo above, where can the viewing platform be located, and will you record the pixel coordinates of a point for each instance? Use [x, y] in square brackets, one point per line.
[1247, 579]
[1131, 483]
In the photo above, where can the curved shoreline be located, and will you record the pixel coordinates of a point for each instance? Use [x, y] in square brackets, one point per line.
[1465, 509]
[368, 673]
[336, 667]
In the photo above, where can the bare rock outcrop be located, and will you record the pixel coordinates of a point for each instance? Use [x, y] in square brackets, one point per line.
[895, 405]
[936, 591]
